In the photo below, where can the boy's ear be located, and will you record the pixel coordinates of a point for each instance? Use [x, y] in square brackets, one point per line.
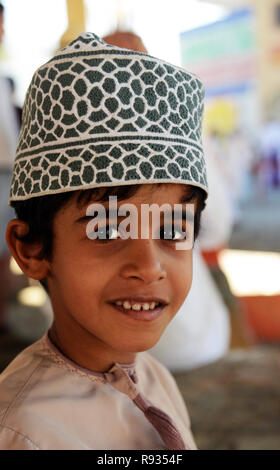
[26, 254]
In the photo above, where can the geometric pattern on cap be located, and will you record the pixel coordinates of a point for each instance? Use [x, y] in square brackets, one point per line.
[97, 115]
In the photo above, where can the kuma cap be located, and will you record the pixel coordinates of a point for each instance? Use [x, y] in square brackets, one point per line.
[98, 115]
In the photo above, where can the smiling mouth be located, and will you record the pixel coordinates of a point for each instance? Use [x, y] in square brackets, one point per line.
[134, 305]
[145, 310]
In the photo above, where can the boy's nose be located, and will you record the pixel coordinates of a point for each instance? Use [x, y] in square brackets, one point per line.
[143, 261]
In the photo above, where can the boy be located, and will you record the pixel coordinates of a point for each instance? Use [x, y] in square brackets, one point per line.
[101, 121]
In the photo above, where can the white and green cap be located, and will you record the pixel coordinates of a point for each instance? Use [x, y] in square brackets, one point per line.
[97, 115]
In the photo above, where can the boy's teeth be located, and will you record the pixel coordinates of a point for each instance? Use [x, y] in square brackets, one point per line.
[126, 305]
[137, 306]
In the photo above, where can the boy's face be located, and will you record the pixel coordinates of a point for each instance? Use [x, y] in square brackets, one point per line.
[87, 276]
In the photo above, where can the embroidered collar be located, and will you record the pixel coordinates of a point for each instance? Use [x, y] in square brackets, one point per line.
[100, 377]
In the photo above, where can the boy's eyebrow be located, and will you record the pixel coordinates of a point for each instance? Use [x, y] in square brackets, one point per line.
[85, 218]
[176, 215]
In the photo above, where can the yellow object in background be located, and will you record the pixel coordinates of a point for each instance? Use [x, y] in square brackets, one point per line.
[76, 21]
[14, 267]
[220, 117]
[2, 53]
[251, 273]
[32, 296]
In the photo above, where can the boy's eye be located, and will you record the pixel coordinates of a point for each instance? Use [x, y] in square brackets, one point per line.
[172, 233]
[106, 233]
[109, 232]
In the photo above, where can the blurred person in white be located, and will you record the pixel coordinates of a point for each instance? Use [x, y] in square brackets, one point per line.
[9, 130]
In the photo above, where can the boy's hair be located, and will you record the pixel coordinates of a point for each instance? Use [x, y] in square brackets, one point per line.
[1, 9]
[39, 212]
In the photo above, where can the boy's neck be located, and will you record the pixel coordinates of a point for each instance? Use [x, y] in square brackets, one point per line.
[89, 356]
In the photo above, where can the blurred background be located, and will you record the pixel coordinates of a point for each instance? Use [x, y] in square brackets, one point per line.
[223, 347]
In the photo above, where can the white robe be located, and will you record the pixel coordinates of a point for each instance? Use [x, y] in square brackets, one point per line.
[48, 402]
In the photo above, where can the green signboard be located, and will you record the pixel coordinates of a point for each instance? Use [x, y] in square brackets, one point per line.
[235, 35]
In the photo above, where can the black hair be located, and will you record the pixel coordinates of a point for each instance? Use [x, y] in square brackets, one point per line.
[39, 212]
[1, 8]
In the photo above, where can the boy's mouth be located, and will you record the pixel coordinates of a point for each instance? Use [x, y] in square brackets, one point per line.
[147, 309]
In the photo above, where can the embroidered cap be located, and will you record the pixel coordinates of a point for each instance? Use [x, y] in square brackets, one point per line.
[98, 115]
